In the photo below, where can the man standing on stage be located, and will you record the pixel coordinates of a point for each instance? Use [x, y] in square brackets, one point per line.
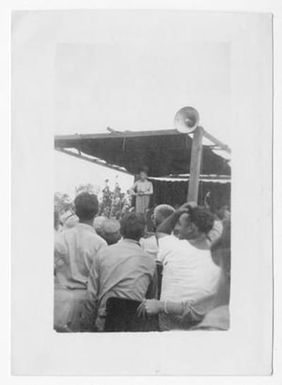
[142, 189]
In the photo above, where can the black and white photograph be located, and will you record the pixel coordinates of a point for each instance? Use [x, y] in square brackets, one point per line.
[142, 232]
[142, 147]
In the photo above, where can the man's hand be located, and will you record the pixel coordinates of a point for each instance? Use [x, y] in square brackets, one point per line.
[184, 209]
[149, 307]
[169, 223]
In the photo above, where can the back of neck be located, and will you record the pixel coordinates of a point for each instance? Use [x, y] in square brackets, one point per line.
[87, 222]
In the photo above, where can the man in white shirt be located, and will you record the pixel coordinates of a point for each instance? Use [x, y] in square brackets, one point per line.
[189, 272]
[74, 253]
[150, 244]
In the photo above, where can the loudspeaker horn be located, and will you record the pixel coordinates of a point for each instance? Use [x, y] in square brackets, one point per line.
[186, 120]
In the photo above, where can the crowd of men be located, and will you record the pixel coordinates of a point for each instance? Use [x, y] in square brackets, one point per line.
[115, 275]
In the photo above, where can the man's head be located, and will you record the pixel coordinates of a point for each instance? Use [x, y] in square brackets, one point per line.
[198, 222]
[111, 231]
[132, 226]
[98, 224]
[86, 206]
[161, 212]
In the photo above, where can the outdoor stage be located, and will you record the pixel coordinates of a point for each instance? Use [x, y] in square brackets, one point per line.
[166, 153]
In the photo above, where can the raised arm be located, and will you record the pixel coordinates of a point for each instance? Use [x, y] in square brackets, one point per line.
[168, 224]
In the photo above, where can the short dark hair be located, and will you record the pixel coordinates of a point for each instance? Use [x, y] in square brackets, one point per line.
[86, 206]
[202, 218]
[132, 226]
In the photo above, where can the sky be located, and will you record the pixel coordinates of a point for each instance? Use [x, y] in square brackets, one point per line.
[135, 86]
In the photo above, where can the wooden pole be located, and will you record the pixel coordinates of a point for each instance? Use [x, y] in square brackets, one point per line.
[195, 165]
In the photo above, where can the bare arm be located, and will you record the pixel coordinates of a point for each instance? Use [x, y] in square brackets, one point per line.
[190, 311]
[154, 306]
[168, 224]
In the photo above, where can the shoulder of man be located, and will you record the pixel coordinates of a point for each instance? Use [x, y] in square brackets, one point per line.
[149, 260]
[166, 240]
[95, 242]
[60, 241]
[98, 240]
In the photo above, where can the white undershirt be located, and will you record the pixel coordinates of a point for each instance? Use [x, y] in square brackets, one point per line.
[189, 273]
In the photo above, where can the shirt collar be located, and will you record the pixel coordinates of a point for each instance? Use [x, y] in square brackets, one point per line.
[127, 240]
[86, 226]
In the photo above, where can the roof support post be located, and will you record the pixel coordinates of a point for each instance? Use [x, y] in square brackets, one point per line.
[195, 164]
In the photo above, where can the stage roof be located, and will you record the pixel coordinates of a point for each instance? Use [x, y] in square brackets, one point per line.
[164, 152]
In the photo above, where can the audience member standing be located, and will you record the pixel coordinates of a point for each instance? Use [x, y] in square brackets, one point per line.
[75, 250]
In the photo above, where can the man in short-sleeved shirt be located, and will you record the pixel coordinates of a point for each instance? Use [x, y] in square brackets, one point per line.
[74, 252]
[189, 272]
[122, 270]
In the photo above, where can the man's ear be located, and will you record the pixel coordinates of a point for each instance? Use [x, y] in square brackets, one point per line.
[194, 227]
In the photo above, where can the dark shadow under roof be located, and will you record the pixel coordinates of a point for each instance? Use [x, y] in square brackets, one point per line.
[164, 152]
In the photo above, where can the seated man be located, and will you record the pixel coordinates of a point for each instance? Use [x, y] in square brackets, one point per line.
[208, 313]
[122, 270]
[75, 250]
[189, 272]
[149, 244]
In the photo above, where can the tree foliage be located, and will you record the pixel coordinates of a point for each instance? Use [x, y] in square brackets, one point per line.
[88, 187]
[62, 202]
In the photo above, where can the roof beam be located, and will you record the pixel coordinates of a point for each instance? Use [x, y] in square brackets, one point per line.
[217, 142]
[97, 161]
[116, 134]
